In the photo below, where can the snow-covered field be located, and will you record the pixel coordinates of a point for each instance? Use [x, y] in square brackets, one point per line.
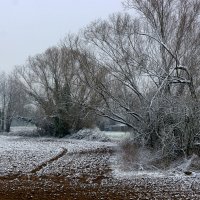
[22, 154]
[89, 167]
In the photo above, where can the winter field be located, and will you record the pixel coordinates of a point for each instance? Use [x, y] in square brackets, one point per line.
[83, 168]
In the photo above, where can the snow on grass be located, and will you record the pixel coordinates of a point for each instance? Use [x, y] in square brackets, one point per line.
[90, 135]
[97, 135]
[23, 154]
[116, 135]
[121, 173]
[22, 128]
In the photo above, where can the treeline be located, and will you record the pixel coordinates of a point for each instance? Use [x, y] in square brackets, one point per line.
[141, 71]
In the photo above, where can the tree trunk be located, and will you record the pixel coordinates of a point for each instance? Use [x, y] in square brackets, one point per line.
[8, 124]
[61, 127]
[2, 120]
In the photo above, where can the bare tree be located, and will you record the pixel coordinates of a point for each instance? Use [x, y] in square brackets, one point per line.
[149, 60]
[173, 27]
[13, 100]
[120, 59]
[53, 81]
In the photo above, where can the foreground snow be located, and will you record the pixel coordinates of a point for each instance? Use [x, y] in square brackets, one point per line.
[88, 165]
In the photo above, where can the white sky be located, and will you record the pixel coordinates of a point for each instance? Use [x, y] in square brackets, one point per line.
[28, 27]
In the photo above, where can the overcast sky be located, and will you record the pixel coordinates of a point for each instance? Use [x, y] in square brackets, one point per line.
[28, 27]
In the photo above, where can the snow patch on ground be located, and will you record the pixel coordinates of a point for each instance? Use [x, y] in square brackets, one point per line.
[178, 172]
[22, 129]
[97, 135]
[117, 135]
[90, 134]
[119, 174]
